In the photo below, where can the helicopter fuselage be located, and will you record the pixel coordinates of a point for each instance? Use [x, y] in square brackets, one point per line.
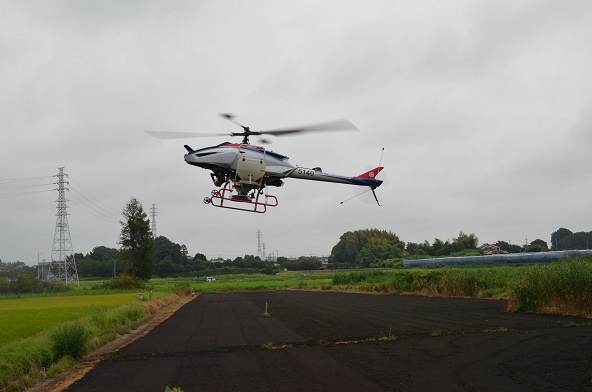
[248, 165]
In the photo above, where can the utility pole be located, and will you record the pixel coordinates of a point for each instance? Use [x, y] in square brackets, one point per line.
[259, 243]
[41, 268]
[62, 267]
[263, 251]
[153, 211]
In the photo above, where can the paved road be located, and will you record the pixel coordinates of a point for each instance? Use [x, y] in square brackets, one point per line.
[324, 341]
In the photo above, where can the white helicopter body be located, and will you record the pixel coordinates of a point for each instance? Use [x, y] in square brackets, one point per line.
[243, 171]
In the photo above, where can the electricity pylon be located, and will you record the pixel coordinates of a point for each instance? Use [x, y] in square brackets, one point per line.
[62, 267]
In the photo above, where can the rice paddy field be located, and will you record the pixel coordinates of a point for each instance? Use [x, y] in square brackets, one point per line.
[23, 317]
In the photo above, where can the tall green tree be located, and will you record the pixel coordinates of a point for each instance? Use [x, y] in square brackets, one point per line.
[560, 238]
[170, 255]
[136, 240]
[351, 243]
[465, 241]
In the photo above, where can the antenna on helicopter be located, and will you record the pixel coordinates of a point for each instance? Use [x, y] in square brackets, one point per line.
[359, 194]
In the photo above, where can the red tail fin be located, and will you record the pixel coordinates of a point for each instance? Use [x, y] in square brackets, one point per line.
[371, 174]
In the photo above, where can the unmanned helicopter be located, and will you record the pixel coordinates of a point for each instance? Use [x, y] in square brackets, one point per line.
[243, 172]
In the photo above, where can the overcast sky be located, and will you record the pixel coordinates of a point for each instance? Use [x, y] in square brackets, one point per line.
[483, 108]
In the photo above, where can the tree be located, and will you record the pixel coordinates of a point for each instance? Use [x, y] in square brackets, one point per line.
[537, 245]
[302, 263]
[559, 237]
[136, 241]
[101, 262]
[351, 243]
[200, 256]
[372, 254]
[164, 247]
[465, 241]
[505, 246]
[166, 267]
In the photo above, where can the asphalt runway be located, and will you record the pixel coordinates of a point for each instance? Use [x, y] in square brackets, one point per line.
[325, 341]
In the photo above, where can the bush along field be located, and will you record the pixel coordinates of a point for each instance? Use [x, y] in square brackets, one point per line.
[562, 287]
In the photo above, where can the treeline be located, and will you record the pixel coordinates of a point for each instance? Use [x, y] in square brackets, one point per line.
[172, 260]
[564, 239]
[356, 249]
[381, 248]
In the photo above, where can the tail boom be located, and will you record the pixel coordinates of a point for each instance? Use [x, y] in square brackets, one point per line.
[365, 179]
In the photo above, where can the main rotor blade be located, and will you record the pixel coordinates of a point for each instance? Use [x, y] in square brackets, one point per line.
[182, 135]
[339, 125]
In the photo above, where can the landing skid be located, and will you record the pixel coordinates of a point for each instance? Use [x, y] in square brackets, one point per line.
[224, 198]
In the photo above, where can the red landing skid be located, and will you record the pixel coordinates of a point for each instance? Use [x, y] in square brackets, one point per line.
[223, 198]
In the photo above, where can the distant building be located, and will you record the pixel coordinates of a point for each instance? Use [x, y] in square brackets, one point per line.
[488, 249]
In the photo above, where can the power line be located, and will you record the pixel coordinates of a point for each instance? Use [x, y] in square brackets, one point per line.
[93, 208]
[10, 188]
[24, 193]
[19, 187]
[97, 203]
[91, 211]
[24, 179]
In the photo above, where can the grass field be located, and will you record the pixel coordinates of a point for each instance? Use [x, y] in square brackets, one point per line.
[308, 279]
[23, 317]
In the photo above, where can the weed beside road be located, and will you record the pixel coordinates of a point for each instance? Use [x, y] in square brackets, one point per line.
[560, 287]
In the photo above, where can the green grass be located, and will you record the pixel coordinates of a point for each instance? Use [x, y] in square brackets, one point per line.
[564, 287]
[310, 280]
[22, 359]
[558, 287]
[23, 317]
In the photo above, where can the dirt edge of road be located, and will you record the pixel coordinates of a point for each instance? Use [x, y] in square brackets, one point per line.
[64, 380]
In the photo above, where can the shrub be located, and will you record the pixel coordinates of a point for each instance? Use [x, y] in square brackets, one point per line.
[28, 283]
[357, 277]
[69, 339]
[126, 282]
